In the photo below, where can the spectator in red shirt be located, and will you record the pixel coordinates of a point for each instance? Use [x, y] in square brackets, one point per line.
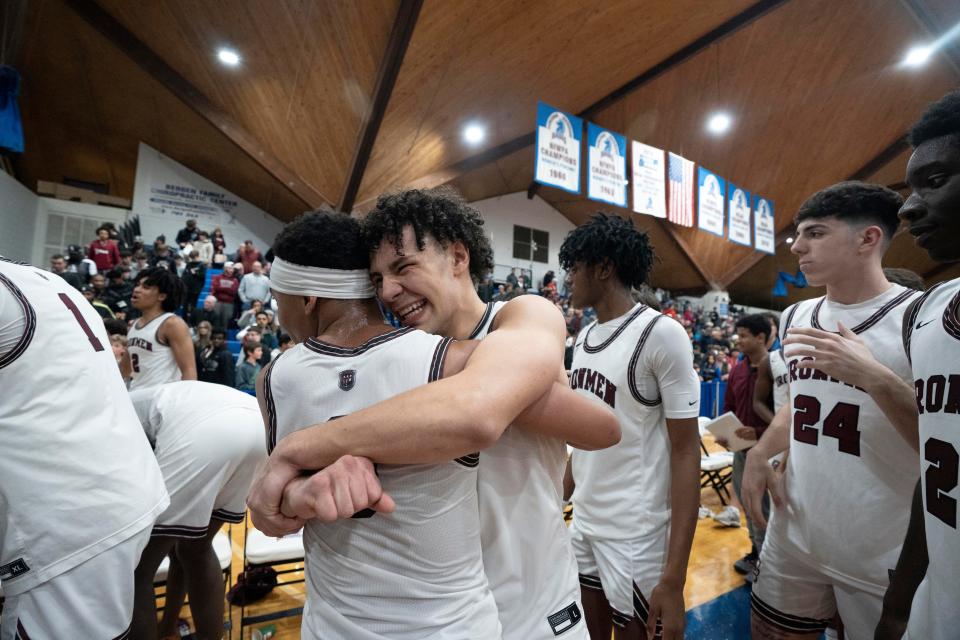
[753, 332]
[248, 254]
[104, 251]
[224, 288]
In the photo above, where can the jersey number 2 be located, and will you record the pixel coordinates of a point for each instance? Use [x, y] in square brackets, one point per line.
[840, 423]
[941, 478]
[97, 346]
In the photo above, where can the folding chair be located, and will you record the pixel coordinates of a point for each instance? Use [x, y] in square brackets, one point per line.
[716, 469]
[286, 554]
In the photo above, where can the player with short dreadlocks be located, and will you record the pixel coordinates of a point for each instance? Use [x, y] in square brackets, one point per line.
[635, 504]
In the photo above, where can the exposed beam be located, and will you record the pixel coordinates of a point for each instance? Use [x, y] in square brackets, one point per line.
[13, 17]
[713, 36]
[403, 26]
[503, 150]
[152, 63]
[921, 13]
[874, 164]
[702, 270]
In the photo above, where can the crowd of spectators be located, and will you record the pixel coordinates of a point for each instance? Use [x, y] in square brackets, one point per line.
[239, 299]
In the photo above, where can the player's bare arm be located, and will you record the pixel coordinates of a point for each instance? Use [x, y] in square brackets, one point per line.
[911, 568]
[762, 390]
[759, 476]
[666, 599]
[174, 332]
[845, 357]
[516, 364]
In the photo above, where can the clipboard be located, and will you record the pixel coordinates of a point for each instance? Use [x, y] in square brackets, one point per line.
[725, 427]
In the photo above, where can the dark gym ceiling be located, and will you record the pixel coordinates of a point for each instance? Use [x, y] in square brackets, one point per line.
[337, 101]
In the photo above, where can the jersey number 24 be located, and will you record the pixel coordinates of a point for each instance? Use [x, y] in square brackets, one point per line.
[840, 423]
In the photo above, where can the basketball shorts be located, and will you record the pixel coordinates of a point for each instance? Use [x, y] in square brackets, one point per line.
[92, 600]
[798, 598]
[625, 570]
[208, 473]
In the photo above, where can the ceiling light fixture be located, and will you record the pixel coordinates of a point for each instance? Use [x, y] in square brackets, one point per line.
[918, 56]
[719, 123]
[789, 240]
[228, 57]
[474, 133]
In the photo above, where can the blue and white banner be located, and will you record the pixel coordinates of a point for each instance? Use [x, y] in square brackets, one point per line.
[738, 206]
[711, 193]
[764, 230]
[558, 148]
[606, 166]
[649, 180]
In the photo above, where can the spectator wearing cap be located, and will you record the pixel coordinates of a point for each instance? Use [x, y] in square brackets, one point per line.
[224, 287]
[103, 251]
[247, 254]
[97, 304]
[118, 291]
[162, 255]
[254, 286]
[188, 234]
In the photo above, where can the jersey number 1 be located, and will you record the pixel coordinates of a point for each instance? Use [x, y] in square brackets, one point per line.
[840, 423]
[97, 346]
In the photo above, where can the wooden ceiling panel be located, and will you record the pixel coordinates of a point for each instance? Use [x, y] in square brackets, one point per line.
[894, 172]
[91, 131]
[493, 64]
[671, 270]
[307, 73]
[812, 96]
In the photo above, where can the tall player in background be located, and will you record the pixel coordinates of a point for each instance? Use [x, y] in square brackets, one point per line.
[79, 486]
[635, 504]
[849, 475]
[159, 345]
[429, 247]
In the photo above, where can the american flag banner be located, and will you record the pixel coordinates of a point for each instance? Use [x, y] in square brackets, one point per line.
[680, 185]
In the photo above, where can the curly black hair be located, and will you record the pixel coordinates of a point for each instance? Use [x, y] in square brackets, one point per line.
[610, 237]
[167, 282]
[323, 239]
[857, 202]
[756, 324]
[442, 213]
[942, 118]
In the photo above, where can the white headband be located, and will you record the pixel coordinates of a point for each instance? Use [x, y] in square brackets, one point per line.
[298, 280]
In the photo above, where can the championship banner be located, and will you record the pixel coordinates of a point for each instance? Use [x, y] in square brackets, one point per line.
[558, 148]
[649, 180]
[711, 193]
[680, 179]
[764, 233]
[606, 166]
[738, 206]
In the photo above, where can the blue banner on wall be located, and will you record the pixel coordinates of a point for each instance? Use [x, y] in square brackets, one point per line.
[606, 166]
[711, 194]
[558, 148]
[738, 224]
[764, 230]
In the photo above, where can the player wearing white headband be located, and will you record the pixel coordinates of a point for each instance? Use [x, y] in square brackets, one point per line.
[431, 247]
[413, 573]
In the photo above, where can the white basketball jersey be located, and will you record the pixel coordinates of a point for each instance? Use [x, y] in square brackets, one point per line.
[526, 547]
[781, 381]
[850, 475]
[152, 363]
[641, 366]
[415, 573]
[933, 341]
[78, 475]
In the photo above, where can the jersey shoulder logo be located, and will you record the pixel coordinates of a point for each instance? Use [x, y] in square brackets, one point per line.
[348, 378]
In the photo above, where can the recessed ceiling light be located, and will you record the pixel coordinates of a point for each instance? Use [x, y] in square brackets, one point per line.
[228, 57]
[474, 133]
[789, 240]
[719, 123]
[918, 56]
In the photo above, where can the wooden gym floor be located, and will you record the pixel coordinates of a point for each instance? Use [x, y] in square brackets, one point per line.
[710, 575]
